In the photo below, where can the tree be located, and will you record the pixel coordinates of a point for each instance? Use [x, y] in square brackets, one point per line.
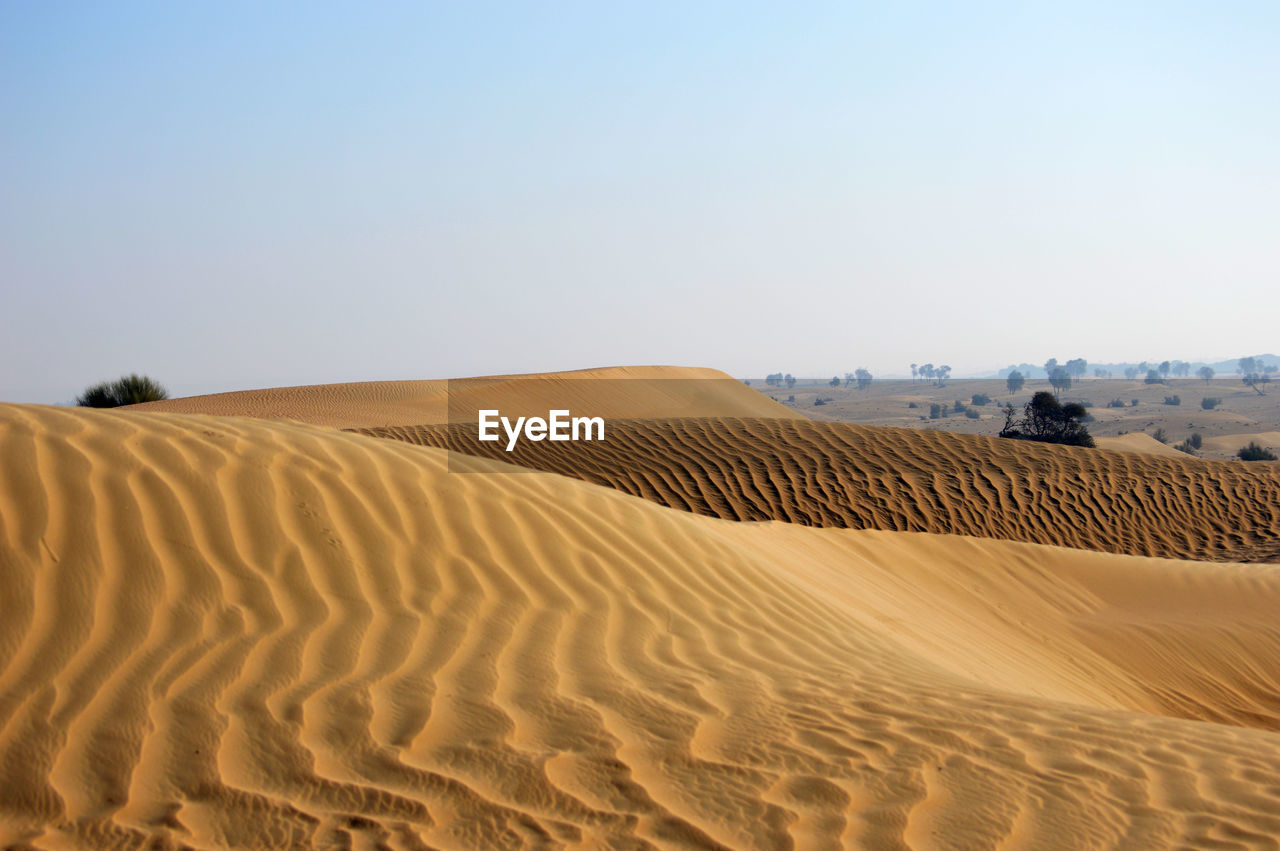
[1181, 368]
[1131, 372]
[864, 378]
[1014, 381]
[835, 381]
[1050, 365]
[1060, 379]
[1164, 369]
[943, 373]
[1153, 377]
[1077, 367]
[1253, 379]
[1247, 365]
[790, 380]
[1205, 372]
[926, 370]
[1046, 420]
[913, 372]
[127, 390]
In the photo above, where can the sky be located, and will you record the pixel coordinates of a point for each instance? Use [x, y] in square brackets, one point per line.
[227, 195]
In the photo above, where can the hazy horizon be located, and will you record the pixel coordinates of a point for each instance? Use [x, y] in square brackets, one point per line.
[231, 196]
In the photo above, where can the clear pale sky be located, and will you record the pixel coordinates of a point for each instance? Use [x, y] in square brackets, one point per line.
[227, 195]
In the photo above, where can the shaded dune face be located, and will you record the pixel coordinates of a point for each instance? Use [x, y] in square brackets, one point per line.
[250, 634]
[867, 477]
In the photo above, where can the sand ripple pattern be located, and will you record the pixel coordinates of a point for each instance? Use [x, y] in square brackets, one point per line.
[866, 477]
[233, 633]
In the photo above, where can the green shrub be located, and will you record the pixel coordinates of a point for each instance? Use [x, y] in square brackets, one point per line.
[1209, 403]
[981, 399]
[971, 413]
[912, 405]
[127, 390]
[1256, 452]
[935, 411]
[1046, 420]
[1160, 435]
[1195, 441]
[1116, 403]
[1172, 400]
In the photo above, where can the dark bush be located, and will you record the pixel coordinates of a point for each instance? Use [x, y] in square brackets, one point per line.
[1046, 420]
[128, 390]
[1134, 403]
[959, 407]
[1209, 403]
[1195, 441]
[981, 399]
[1160, 435]
[935, 411]
[821, 401]
[1172, 400]
[1256, 452]
[912, 405]
[971, 413]
[1116, 403]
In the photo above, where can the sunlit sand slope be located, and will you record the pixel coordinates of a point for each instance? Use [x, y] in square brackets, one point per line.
[624, 391]
[252, 634]
[868, 477]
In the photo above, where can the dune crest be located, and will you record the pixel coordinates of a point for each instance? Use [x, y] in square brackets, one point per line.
[622, 391]
[232, 632]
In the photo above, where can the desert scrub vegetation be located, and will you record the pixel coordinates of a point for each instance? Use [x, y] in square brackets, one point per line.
[1210, 402]
[1256, 452]
[126, 390]
[1046, 420]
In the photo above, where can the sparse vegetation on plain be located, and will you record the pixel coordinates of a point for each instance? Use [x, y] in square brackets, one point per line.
[1256, 452]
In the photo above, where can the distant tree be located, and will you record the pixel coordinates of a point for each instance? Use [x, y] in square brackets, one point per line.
[1205, 372]
[1014, 381]
[835, 381]
[774, 379]
[1050, 365]
[790, 380]
[1164, 369]
[1153, 377]
[1143, 367]
[1181, 368]
[1131, 372]
[926, 370]
[1046, 420]
[913, 372]
[1247, 365]
[127, 390]
[1099, 372]
[1256, 452]
[848, 379]
[1077, 367]
[1060, 379]
[943, 373]
[864, 378]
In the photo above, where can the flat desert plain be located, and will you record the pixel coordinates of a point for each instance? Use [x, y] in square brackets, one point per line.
[324, 617]
[1126, 414]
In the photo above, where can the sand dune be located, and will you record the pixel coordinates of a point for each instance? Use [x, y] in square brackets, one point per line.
[866, 477]
[1138, 442]
[230, 632]
[629, 391]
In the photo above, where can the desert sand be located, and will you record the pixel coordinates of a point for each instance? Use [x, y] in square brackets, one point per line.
[864, 477]
[231, 632]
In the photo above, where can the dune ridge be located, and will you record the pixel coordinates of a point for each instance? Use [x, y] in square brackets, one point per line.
[873, 477]
[621, 391]
[229, 632]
